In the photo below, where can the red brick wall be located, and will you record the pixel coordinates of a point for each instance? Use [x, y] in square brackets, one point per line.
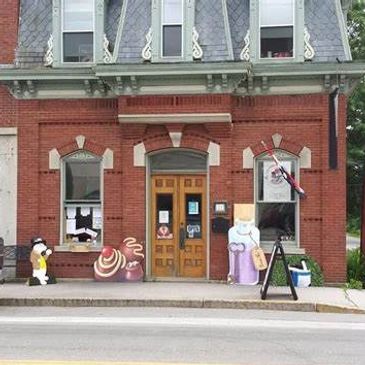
[9, 15]
[301, 120]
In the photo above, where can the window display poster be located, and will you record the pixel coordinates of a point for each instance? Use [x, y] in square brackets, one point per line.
[163, 216]
[71, 212]
[193, 208]
[97, 222]
[276, 189]
[85, 211]
[70, 226]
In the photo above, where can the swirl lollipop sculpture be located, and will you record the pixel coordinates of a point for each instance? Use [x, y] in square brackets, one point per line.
[123, 264]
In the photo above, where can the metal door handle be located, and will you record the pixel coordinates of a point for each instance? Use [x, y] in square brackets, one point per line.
[182, 237]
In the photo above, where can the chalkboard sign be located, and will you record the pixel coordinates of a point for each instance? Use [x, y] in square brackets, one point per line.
[277, 251]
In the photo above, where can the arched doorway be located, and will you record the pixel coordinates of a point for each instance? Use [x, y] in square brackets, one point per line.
[178, 214]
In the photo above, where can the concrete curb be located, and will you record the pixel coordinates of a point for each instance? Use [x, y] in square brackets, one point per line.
[182, 303]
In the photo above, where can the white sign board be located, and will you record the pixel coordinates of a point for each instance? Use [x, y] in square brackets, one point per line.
[8, 188]
[276, 188]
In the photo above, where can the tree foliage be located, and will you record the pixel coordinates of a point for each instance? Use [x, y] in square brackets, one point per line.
[356, 118]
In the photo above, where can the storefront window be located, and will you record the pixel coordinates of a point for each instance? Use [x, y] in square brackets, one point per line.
[82, 214]
[276, 201]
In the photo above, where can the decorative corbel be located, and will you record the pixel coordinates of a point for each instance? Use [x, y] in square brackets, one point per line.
[147, 49]
[308, 49]
[343, 80]
[17, 88]
[197, 50]
[134, 84]
[120, 85]
[245, 53]
[107, 56]
[265, 83]
[31, 87]
[224, 81]
[102, 88]
[327, 82]
[250, 82]
[49, 57]
[87, 86]
[210, 82]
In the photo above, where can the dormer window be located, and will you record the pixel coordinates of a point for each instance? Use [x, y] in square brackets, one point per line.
[78, 27]
[277, 28]
[172, 28]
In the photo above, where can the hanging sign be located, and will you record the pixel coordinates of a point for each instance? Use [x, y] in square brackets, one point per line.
[276, 189]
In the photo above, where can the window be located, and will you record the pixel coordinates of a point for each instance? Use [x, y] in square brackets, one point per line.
[82, 214]
[172, 28]
[78, 30]
[276, 201]
[277, 28]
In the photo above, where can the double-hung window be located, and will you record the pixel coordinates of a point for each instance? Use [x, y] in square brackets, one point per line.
[172, 28]
[82, 208]
[276, 201]
[277, 28]
[78, 25]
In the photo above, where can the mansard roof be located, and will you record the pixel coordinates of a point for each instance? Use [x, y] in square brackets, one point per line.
[222, 26]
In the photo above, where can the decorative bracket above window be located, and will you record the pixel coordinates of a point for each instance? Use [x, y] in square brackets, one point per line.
[308, 49]
[245, 53]
[49, 57]
[197, 50]
[147, 49]
[107, 56]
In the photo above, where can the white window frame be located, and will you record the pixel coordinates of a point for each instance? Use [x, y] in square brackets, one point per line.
[77, 31]
[283, 156]
[255, 35]
[278, 26]
[188, 14]
[63, 203]
[167, 24]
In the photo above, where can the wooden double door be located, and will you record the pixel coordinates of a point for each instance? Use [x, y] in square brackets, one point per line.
[178, 226]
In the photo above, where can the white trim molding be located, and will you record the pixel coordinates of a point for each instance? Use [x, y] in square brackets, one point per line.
[305, 156]
[176, 138]
[176, 118]
[8, 131]
[139, 151]
[276, 139]
[214, 151]
[248, 158]
[54, 162]
[108, 159]
[80, 140]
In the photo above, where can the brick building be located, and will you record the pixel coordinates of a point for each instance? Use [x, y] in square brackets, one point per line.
[145, 118]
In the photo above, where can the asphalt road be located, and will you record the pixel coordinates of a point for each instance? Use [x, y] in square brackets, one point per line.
[171, 335]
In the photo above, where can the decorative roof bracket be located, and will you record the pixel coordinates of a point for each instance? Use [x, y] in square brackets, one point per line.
[197, 50]
[245, 53]
[107, 56]
[147, 49]
[308, 49]
[49, 57]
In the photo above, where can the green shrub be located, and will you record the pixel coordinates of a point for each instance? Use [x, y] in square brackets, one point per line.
[355, 266]
[279, 277]
[354, 284]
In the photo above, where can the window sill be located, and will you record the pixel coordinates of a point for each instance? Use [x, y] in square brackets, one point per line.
[80, 248]
[289, 248]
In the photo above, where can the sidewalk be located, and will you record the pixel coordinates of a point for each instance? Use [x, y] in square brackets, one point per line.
[181, 294]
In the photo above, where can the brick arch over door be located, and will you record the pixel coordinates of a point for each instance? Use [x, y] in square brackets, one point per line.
[195, 137]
